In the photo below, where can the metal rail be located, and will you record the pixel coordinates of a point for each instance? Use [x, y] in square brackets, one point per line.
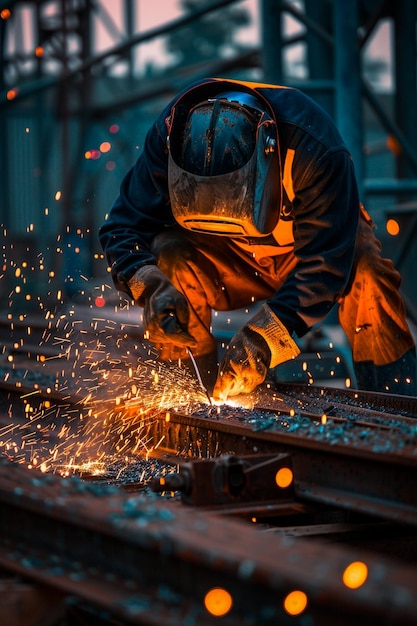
[151, 560]
[148, 561]
[351, 450]
[344, 463]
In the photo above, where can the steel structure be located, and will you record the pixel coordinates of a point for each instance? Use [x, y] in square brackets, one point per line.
[51, 84]
[74, 549]
[137, 561]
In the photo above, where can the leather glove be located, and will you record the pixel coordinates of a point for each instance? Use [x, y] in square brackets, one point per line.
[244, 365]
[262, 343]
[165, 309]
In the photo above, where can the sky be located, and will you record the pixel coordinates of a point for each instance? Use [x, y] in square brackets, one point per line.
[154, 13]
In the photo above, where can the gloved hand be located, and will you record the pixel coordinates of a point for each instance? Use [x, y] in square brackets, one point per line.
[262, 343]
[165, 309]
[244, 365]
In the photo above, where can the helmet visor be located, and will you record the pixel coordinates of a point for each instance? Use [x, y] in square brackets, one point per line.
[242, 202]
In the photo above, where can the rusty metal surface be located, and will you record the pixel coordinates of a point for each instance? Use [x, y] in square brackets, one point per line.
[149, 561]
[230, 479]
[362, 458]
[368, 468]
[25, 604]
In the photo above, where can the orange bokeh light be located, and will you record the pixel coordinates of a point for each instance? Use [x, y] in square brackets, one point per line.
[105, 146]
[99, 301]
[12, 93]
[284, 477]
[355, 574]
[394, 145]
[295, 602]
[218, 601]
[393, 227]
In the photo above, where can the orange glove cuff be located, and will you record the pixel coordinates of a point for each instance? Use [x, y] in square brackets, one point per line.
[269, 326]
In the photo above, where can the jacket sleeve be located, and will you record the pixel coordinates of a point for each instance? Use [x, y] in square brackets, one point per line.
[326, 213]
[140, 211]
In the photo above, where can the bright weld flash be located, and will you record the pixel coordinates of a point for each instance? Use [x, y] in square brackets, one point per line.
[243, 402]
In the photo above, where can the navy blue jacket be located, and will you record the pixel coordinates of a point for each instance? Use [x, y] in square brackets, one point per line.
[320, 197]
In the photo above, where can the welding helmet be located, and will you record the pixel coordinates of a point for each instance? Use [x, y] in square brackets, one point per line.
[223, 166]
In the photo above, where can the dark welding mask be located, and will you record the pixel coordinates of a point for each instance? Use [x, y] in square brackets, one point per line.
[223, 169]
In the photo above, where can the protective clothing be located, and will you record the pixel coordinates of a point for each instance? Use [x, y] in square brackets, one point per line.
[260, 344]
[322, 250]
[318, 215]
[372, 312]
[398, 377]
[166, 314]
[222, 167]
[244, 365]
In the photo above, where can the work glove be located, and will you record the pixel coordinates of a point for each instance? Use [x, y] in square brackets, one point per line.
[262, 343]
[165, 309]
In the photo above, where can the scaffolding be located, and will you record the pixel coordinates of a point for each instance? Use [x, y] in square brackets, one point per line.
[56, 87]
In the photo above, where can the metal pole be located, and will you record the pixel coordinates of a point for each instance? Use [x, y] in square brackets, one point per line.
[63, 97]
[348, 110]
[129, 14]
[271, 29]
[4, 161]
[320, 51]
[405, 15]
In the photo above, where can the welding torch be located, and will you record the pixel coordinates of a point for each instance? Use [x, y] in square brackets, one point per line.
[198, 374]
[171, 322]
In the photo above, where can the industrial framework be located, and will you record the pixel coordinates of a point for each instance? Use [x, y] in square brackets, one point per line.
[53, 83]
[299, 507]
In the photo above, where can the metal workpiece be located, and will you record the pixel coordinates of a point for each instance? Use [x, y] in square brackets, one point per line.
[230, 479]
[150, 561]
[349, 449]
[364, 461]
[144, 499]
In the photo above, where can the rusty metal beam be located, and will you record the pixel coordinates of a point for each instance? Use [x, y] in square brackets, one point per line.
[362, 458]
[348, 465]
[148, 561]
[29, 604]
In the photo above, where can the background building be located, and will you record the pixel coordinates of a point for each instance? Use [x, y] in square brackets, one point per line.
[81, 80]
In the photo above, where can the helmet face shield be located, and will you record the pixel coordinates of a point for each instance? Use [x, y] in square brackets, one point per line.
[225, 178]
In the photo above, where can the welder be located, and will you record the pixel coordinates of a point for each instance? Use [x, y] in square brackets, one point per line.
[245, 192]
